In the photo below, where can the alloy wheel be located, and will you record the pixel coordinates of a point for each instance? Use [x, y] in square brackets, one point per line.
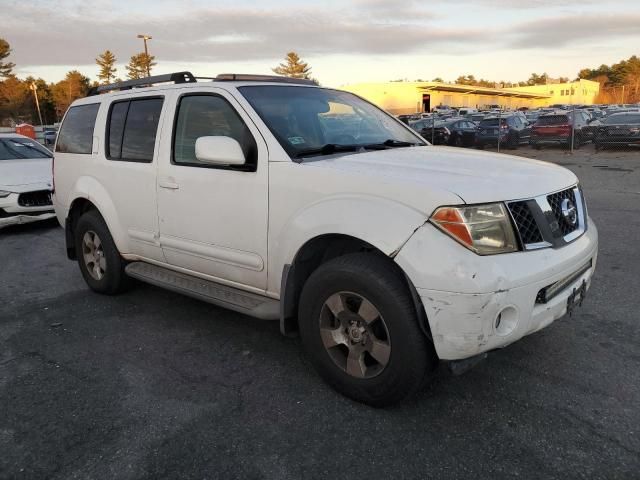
[355, 335]
[93, 255]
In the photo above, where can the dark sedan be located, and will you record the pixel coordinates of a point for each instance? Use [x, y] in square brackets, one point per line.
[619, 129]
[462, 132]
[509, 130]
[437, 133]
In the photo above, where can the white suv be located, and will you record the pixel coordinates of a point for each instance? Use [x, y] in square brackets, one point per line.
[283, 200]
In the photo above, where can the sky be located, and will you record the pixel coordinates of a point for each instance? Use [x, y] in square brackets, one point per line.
[344, 41]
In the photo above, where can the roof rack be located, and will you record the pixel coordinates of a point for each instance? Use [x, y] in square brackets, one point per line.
[240, 77]
[177, 77]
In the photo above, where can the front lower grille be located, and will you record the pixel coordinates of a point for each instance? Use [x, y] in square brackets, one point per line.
[555, 202]
[525, 222]
[40, 198]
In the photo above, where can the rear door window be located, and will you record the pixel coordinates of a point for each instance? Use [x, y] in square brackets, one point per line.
[132, 128]
[76, 133]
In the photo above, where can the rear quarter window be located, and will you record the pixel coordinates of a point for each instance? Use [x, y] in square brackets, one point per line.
[76, 133]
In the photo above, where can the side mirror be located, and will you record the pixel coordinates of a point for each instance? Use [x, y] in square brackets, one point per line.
[219, 150]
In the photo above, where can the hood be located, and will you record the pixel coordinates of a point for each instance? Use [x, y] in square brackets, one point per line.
[25, 174]
[474, 176]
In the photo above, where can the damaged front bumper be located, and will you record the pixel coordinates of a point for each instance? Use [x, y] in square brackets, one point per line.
[20, 219]
[476, 304]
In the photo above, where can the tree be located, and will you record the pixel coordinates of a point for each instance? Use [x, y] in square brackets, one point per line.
[140, 66]
[14, 94]
[438, 79]
[536, 79]
[106, 61]
[293, 66]
[74, 86]
[5, 67]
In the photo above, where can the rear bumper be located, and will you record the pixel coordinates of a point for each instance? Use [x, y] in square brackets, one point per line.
[463, 305]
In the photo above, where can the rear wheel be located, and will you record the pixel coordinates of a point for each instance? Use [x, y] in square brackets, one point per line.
[457, 141]
[100, 262]
[359, 326]
[513, 141]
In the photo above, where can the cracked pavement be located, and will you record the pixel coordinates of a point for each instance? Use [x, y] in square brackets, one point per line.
[151, 384]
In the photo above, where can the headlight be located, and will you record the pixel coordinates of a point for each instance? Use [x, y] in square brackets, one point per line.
[4, 194]
[484, 229]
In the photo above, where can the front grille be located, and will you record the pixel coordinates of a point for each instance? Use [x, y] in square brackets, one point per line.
[40, 198]
[525, 223]
[555, 201]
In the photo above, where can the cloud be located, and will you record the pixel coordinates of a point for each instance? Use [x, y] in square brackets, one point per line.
[76, 32]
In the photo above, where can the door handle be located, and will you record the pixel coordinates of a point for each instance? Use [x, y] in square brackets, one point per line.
[169, 185]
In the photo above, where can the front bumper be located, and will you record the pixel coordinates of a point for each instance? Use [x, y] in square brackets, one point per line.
[464, 293]
[12, 213]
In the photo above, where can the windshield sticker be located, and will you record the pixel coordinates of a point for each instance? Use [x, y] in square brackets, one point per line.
[296, 140]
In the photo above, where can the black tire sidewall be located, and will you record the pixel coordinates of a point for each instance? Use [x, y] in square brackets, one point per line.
[114, 279]
[412, 355]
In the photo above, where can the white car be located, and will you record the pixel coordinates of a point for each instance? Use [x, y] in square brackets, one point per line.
[283, 200]
[25, 180]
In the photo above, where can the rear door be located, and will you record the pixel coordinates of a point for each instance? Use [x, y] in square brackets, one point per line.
[213, 219]
[129, 171]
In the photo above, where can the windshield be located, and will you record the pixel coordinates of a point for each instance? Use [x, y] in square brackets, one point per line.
[622, 119]
[305, 119]
[18, 148]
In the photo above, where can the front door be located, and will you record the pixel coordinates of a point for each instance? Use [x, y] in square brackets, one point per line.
[213, 219]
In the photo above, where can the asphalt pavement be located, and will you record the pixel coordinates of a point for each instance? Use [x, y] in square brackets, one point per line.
[151, 384]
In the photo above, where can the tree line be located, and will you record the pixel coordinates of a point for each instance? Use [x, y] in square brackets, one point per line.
[17, 99]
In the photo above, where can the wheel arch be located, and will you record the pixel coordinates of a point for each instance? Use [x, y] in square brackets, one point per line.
[314, 253]
[90, 194]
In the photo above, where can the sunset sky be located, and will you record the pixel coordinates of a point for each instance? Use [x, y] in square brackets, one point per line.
[345, 41]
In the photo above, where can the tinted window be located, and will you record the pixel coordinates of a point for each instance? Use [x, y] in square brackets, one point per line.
[622, 119]
[76, 134]
[553, 120]
[116, 129]
[15, 148]
[489, 122]
[139, 138]
[209, 115]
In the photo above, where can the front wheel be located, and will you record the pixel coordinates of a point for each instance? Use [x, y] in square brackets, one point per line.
[359, 326]
[100, 262]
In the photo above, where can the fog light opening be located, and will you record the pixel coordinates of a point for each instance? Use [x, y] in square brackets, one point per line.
[506, 321]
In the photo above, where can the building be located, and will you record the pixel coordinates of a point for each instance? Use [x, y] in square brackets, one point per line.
[413, 97]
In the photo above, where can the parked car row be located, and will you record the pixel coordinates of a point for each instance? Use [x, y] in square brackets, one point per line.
[569, 126]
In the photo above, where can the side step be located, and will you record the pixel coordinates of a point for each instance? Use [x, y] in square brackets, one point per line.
[205, 290]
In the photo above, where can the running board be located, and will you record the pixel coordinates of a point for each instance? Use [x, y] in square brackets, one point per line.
[205, 290]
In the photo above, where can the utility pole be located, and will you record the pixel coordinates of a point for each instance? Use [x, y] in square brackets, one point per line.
[34, 87]
[146, 51]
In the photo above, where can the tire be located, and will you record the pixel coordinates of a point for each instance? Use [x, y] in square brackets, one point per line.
[457, 141]
[100, 262]
[536, 145]
[333, 301]
[513, 142]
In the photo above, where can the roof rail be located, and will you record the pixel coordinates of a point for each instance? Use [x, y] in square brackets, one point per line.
[177, 77]
[241, 77]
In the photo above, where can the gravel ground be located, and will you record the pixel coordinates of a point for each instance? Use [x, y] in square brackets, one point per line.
[151, 384]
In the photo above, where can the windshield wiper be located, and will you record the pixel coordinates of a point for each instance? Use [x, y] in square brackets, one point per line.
[326, 149]
[391, 143]
[330, 148]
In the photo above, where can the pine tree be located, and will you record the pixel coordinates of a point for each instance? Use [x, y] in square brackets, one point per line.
[5, 67]
[294, 67]
[106, 61]
[140, 66]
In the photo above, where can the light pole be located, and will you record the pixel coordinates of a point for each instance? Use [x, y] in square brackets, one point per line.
[34, 87]
[146, 51]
